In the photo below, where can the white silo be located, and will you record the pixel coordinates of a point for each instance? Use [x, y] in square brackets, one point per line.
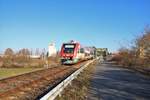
[52, 50]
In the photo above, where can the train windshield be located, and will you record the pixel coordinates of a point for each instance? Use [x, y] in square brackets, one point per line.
[69, 48]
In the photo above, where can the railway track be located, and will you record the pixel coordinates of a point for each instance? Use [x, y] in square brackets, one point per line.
[32, 85]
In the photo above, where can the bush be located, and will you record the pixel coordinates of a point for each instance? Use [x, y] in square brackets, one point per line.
[138, 55]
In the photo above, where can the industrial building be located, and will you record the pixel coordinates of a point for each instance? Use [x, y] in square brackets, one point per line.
[101, 52]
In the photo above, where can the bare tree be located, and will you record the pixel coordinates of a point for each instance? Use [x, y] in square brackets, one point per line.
[143, 45]
[24, 52]
[9, 52]
[23, 55]
[8, 58]
[139, 53]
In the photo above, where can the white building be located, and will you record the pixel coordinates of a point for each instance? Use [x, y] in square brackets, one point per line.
[35, 56]
[52, 50]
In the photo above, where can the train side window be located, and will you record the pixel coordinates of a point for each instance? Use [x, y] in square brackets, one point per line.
[78, 51]
[81, 50]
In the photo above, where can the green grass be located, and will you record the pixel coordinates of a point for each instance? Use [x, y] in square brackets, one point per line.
[8, 72]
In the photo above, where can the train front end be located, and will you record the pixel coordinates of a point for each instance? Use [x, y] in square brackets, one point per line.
[68, 53]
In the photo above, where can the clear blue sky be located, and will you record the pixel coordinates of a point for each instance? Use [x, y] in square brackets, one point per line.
[100, 23]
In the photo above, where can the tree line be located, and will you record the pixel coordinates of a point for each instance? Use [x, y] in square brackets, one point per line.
[22, 58]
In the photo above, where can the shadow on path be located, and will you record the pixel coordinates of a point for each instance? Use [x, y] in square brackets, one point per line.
[110, 82]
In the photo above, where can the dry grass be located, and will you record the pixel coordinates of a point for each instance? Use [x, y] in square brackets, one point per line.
[79, 87]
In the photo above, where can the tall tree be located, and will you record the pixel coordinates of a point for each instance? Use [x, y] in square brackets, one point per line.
[9, 52]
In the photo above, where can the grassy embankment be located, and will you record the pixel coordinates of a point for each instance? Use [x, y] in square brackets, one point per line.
[79, 87]
[15, 67]
[8, 72]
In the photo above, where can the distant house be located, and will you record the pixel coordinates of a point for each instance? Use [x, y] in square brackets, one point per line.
[143, 53]
[1, 55]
